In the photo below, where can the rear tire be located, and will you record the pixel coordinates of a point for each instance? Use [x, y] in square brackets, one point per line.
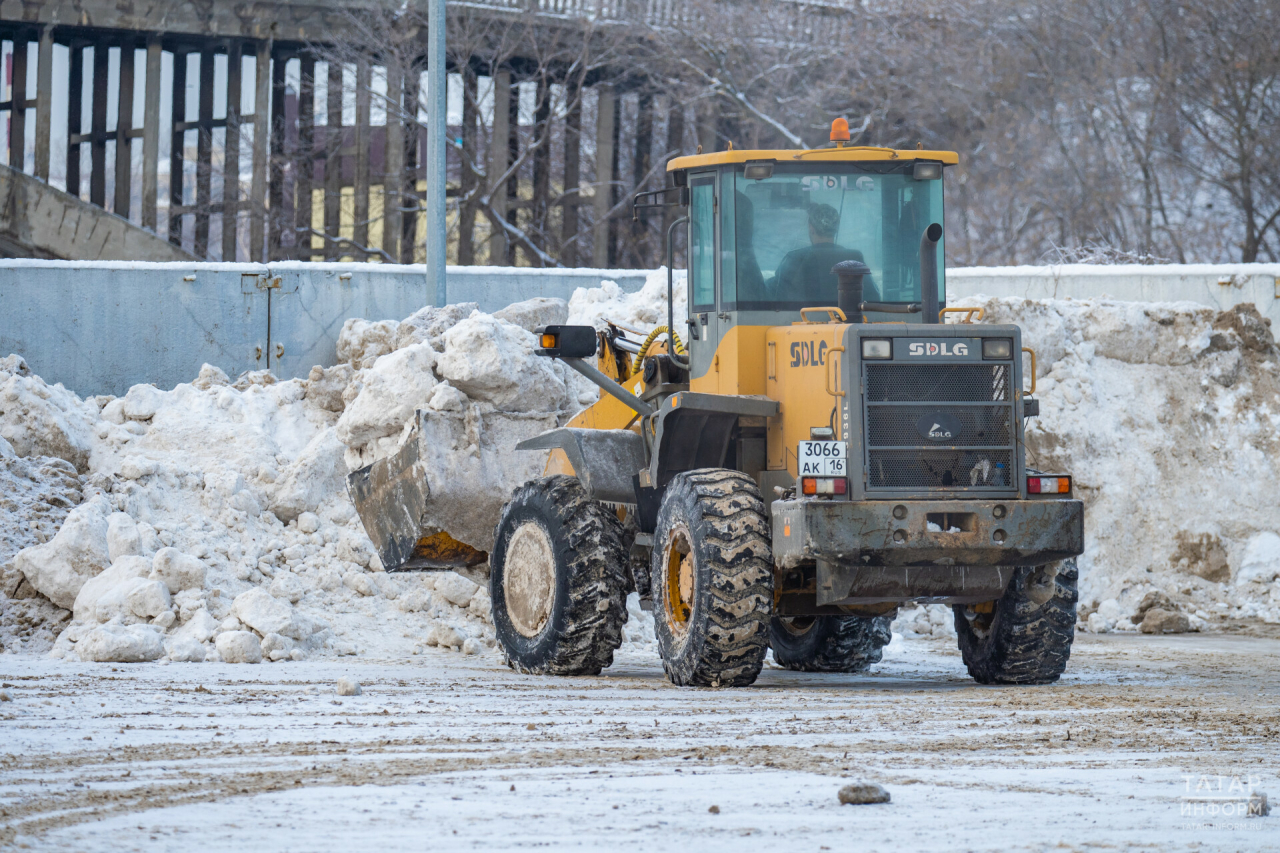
[1027, 637]
[712, 579]
[829, 643]
[557, 580]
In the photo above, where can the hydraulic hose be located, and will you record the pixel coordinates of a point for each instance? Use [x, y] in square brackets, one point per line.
[637, 363]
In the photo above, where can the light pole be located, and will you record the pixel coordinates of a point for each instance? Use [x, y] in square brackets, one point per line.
[437, 138]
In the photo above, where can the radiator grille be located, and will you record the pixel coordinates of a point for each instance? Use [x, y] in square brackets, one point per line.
[910, 383]
[906, 403]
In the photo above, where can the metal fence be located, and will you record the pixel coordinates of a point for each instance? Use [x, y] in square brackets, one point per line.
[100, 327]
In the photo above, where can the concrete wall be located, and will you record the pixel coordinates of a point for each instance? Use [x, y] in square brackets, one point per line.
[1219, 286]
[41, 221]
[100, 327]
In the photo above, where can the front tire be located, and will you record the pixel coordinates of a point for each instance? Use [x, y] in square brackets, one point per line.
[1025, 638]
[557, 580]
[829, 643]
[712, 579]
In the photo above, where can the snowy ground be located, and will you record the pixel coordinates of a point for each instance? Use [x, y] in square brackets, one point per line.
[446, 752]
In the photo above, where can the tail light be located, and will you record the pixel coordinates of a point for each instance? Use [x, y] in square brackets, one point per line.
[1060, 485]
[824, 485]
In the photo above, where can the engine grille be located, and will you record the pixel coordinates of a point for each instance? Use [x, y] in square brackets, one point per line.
[939, 426]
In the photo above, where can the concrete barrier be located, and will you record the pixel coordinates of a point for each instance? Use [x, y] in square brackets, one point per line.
[1219, 286]
[99, 327]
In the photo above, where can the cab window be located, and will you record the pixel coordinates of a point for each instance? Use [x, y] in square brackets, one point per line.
[702, 243]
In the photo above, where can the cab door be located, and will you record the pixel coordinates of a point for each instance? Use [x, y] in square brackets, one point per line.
[703, 329]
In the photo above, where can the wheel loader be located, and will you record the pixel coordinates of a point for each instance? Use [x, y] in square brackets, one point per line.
[819, 441]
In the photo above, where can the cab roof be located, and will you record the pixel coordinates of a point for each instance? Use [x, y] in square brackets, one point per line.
[849, 154]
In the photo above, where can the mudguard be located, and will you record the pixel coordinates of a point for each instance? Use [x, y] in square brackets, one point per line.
[605, 461]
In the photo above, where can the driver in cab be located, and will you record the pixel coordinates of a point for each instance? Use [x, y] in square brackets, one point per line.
[805, 273]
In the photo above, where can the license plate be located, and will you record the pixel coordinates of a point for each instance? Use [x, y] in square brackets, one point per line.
[823, 459]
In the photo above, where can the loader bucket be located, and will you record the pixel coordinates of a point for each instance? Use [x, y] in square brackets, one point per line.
[433, 504]
[392, 497]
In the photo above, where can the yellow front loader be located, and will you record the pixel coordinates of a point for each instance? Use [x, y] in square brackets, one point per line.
[819, 441]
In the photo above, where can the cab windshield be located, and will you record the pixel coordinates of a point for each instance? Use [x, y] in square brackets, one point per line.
[790, 229]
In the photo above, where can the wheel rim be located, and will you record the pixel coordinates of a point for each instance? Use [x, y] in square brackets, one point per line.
[529, 578]
[797, 626]
[679, 580]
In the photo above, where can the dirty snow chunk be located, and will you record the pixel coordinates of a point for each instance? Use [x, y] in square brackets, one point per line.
[287, 586]
[135, 468]
[862, 793]
[186, 650]
[6, 696]
[1160, 621]
[315, 476]
[200, 627]
[127, 568]
[492, 361]
[348, 687]
[210, 377]
[326, 384]
[239, 647]
[142, 402]
[277, 647]
[456, 589]
[38, 419]
[116, 642]
[308, 522]
[114, 604]
[394, 387]
[266, 614]
[446, 636]
[61, 566]
[532, 313]
[361, 342]
[178, 571]
[122, 536]
[415, 601]
[149, 599]
[1261, 561]
[429, 324]
[359, 582]
[481, 605]
[446, 398]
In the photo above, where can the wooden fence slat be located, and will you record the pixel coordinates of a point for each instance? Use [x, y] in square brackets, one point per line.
[261, 151]
[151, 133]
[498, 162]
[176, 144]
[231, 154]
[98, 144]
[44, 105]
[303, 219]
[18, 112]
[360, 209]
[124, 127]
[333, 162]
[204, 154]
[572, 176]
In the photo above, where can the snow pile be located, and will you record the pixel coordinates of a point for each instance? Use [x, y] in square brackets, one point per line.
[1167, 416]
[644, 309]
[36, 493]
[213, 520]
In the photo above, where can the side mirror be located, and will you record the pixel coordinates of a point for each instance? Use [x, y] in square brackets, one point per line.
[566, 341]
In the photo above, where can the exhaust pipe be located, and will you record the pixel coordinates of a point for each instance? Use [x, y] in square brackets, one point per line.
[849, 298]
[929, 273]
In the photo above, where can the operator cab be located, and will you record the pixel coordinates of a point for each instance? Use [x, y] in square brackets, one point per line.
[766, 229]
